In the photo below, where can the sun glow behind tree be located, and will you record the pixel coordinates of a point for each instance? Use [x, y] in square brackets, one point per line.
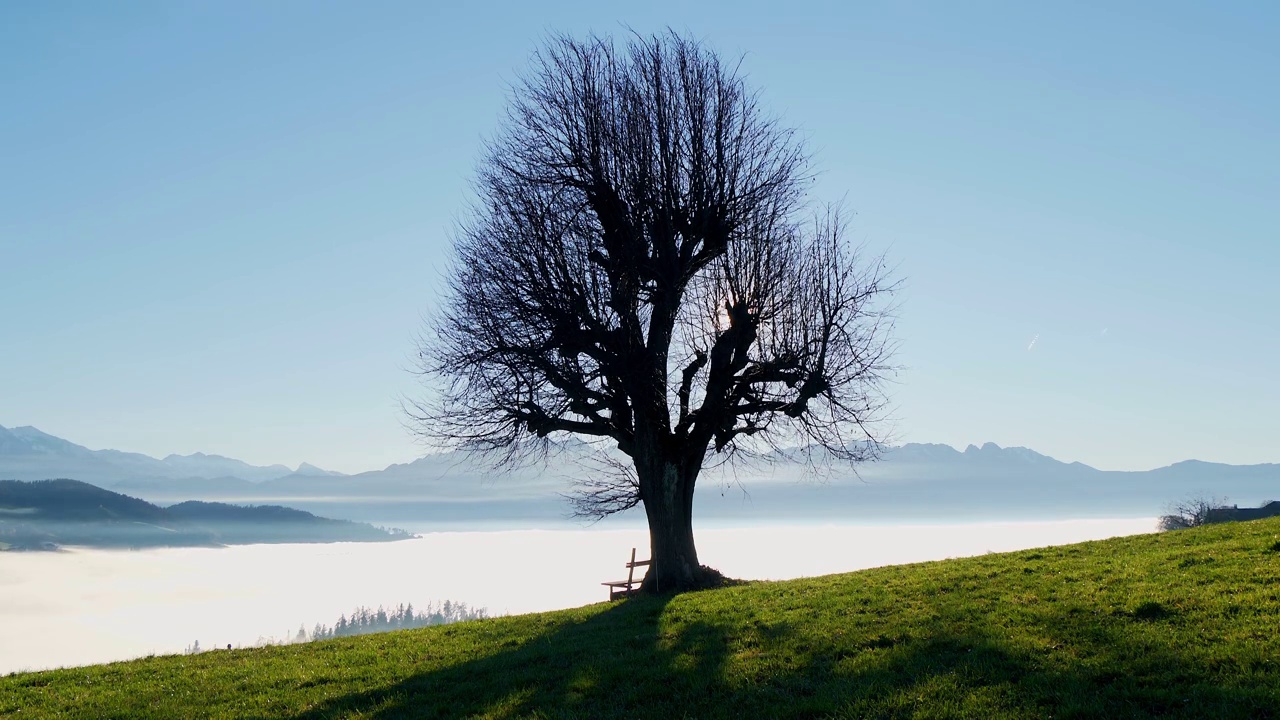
[642, 267]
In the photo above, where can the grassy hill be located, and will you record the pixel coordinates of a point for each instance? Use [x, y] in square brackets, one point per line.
[1183, 624]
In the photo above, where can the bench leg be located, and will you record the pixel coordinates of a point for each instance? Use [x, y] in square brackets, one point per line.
[624, 591]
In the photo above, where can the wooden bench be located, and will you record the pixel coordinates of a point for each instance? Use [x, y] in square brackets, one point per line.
[630, 586]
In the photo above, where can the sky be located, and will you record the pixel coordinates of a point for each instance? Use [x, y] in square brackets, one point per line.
[222, 223]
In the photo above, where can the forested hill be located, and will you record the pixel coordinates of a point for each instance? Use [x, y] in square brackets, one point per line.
[239, 524]
[73, 501]
[48, 513]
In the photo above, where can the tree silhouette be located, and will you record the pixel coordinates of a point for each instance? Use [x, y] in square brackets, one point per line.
[1192, 511]
[642, 269]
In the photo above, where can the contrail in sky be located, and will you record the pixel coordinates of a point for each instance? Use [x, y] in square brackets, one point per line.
[1033, 341]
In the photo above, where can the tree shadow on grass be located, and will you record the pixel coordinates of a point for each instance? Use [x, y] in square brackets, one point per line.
[598, 667]
[648, 657]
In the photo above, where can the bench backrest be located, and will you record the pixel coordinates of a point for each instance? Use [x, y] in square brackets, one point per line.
[632, 565]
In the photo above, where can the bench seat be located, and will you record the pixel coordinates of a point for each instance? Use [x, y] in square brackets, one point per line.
[630, 586]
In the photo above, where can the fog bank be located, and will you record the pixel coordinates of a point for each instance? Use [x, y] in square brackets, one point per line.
[88, 606]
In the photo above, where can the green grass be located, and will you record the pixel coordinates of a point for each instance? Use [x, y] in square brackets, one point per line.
[1182, 624]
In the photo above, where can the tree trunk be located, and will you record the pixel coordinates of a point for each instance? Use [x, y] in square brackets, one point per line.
[666, 488]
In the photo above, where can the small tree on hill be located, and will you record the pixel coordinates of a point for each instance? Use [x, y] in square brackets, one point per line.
[1193, 511]
[641, 268]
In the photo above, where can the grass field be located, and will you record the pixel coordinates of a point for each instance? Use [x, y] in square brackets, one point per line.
[1182, 624]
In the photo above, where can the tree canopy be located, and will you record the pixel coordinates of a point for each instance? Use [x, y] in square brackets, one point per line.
[642, 266]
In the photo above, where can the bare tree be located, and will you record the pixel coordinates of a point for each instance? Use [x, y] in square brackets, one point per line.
[1193, 511]
[641, 268]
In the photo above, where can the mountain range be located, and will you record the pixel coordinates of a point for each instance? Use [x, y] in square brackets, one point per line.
[29, 454]
[910, 481]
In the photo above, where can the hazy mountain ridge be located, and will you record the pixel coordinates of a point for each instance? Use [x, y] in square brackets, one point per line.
[914, 479]
[27, 453]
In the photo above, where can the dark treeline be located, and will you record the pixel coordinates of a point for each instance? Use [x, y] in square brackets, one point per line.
[363, 621]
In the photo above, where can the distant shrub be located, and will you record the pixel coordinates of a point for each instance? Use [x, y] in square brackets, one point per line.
[1198, 510]
[1194, 511]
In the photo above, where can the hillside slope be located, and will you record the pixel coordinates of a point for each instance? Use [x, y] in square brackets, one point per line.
[1181, 624]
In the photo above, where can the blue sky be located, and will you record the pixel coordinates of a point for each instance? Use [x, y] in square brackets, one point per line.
[221, 223]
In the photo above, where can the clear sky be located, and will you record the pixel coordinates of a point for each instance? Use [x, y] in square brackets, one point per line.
[222, 222]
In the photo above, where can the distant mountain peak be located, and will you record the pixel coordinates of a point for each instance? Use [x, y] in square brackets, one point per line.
[31, 440]
[204, 456]
[309, 469]
[30, 431]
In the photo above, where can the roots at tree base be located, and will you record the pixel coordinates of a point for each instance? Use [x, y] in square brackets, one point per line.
[706, 578]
